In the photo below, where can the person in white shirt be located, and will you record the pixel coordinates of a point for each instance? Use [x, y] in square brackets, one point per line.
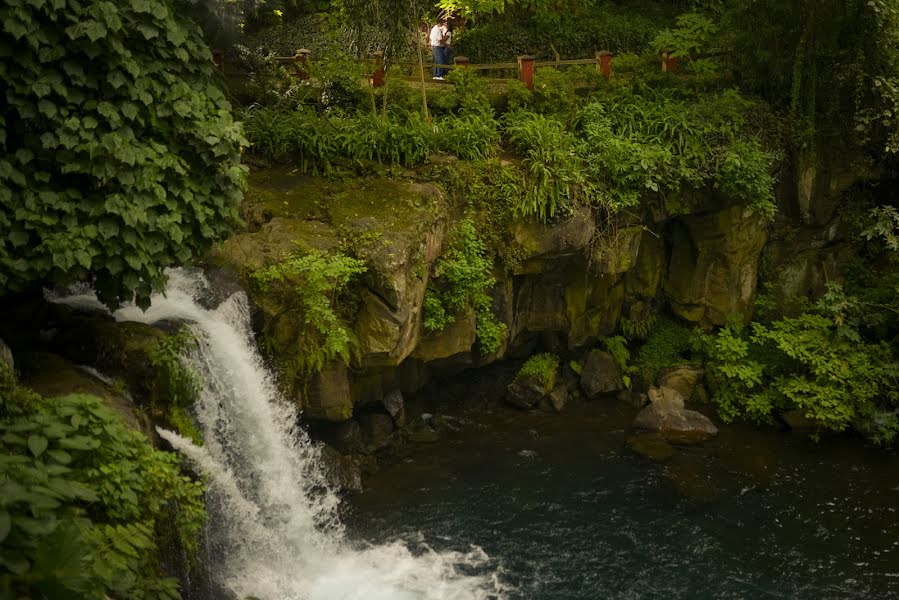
[440, 38]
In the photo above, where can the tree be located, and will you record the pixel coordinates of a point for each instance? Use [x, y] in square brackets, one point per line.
[119, 153]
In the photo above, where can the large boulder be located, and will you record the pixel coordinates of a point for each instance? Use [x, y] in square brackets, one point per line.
[682, 378]
[714, 265]
[667, 416]
[525, 392]
[327, 396]
[395, 406]
[377, 430]
[600, 374]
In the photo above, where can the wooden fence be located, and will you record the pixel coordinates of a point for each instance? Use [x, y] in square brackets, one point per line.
[525, 65]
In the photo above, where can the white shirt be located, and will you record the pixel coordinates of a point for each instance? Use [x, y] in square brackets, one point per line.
[436, 36]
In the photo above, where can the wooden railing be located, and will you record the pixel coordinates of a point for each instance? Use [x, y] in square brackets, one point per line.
[525, 65]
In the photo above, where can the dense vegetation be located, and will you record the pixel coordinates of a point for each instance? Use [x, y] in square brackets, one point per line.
[120, 154]
[87, 504]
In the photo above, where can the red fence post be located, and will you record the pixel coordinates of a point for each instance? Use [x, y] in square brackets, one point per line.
[669, 63]
[526, 71]
[604, 63]
[462, 62]
[218, 59]
[301, 63]
[377, 78]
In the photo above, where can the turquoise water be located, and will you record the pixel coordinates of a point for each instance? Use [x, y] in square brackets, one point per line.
[566, 511]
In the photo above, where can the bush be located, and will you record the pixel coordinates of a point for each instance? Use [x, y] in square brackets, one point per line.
[461, 282]
[541, 368]
[305, 289]
[471, 136]
[121, 157]
[668, 344]
[88, 504]
[553, 169]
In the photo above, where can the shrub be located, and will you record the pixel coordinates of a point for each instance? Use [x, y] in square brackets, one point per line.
[668, 344]
[177, 384]
[807, 363]
[304, 289]
[542, 368]
[88, 503]
[461, 282]
[471, 136]
[121, 156]
[553, 169]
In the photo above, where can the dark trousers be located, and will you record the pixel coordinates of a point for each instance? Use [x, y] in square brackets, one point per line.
[442, 56]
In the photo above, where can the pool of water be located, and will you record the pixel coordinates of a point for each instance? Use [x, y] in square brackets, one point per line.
[566, 511]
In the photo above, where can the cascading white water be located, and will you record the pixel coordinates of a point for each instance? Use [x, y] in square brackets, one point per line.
[273, 527]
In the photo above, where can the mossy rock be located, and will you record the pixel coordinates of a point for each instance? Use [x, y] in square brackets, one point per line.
[52, 376]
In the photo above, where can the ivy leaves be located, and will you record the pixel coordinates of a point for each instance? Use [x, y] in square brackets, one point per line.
[120, 155]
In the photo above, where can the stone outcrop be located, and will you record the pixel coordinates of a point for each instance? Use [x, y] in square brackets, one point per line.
[681, 378]
[667, 416]
[714, 265]
[600, 374]
[327, 396]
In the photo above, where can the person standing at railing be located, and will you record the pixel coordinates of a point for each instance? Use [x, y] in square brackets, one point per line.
[438, 39]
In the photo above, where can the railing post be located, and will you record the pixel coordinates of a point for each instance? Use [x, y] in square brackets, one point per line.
[604, 63]
[669, 63]
[301, 63]
[526, 71]
[377, 78]
[218, 59]
[462, 62]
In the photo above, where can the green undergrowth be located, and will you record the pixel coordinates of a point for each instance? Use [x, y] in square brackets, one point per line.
[667, 343]
[87, 505]
[177, 385]
[542, 368]
[462, 281]
[306, 296]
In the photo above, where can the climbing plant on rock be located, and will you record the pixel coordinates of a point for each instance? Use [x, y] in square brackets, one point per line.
[119, 153]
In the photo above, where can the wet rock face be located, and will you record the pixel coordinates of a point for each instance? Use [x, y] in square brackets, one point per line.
[525, 392]
[667, 416]
[327, 397]
[714, 265]
[600, 375]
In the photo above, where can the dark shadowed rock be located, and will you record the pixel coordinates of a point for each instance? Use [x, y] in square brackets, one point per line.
[376, 429]
[341, 471]
[600, 374]
[395, 406]
[525, 392]
[349, 439]
[555, 401]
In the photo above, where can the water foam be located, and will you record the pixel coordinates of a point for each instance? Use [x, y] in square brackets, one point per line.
[273, 529]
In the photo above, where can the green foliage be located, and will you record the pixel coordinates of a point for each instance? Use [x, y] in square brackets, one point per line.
[177, 384]
[694, 35]
[469, 90]
[810, 363]
[617, 348]
[541, 368]
[307, 287]
[87, 505]
[884, 226]
[553, 169]
[639, 329]
[120, 155]
[461, 282]
[576, 32]
[668, 344]
[472, 136]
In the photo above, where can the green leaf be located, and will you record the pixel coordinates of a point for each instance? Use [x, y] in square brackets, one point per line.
[37, 444]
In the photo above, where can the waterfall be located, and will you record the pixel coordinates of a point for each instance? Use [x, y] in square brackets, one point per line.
[273, 529]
